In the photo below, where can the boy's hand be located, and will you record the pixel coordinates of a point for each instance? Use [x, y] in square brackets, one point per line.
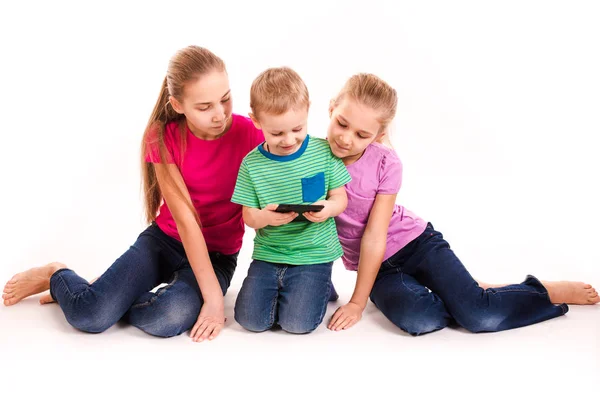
[270, 217]
[320, 216]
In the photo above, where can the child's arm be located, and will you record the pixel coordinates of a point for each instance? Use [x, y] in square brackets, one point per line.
[257, 218]
[212, 314]
[336, 203]
[245, 194]
[372, 250]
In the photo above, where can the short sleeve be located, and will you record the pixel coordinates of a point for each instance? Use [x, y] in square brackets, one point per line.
[338, 174]
[390, 175]
[244, 192]
[153, 153]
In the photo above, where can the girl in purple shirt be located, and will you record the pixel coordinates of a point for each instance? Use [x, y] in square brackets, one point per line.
[404, 265]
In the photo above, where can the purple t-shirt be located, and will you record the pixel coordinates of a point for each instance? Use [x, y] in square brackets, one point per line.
[378, 171]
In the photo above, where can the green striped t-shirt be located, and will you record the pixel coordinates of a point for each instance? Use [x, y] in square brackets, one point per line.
[300, 178]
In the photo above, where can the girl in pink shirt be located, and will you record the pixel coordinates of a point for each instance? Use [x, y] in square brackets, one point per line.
[192, 149]
[404, 265]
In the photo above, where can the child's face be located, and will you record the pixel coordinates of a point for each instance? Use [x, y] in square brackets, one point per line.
[284, 133]
[207, 105]
[353, 127]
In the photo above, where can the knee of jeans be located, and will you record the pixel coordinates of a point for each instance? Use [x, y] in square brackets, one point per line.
[95, 320]
[168, 322]
[480, 322]
[416, 319]
[298, 326]
[250, 323]
[422, 324]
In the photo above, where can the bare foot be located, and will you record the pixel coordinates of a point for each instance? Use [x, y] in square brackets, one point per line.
[30, 282]
[571, 292]
[47, 298]
[562, 291]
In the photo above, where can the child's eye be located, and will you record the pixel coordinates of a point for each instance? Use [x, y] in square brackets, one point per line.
[297, 130]
[360, 136]
[277, 134]
[342, 125]
[204, 109]
[226, 100]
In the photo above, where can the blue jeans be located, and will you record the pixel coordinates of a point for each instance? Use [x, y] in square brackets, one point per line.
[293, 296]
[424, 287]
[123, 291]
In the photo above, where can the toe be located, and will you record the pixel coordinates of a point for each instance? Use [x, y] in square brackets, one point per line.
[7, 296]
[9, 302]
[587, 286]
[46, 299]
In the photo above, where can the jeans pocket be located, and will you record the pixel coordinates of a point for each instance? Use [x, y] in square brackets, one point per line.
[313, 188]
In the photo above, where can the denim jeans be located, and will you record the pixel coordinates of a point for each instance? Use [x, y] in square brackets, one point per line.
[424, 287]
[293, 296]
[123, 291]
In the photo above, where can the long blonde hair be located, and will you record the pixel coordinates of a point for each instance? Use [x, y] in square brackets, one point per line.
[187, 65]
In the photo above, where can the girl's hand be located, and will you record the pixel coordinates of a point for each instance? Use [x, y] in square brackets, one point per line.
[210, 322]
[345, 317]
[319, 216]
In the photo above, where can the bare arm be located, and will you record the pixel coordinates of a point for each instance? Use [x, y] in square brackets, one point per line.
[195, 249]
[257, 218]
[336, 203]
[372, 250]
[338, 200]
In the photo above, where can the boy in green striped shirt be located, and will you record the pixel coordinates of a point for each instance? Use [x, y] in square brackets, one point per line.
[289, 279]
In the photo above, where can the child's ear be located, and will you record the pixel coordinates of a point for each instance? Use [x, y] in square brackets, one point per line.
[331, 106]
[384, 139]
[176, 105]
[254, 121]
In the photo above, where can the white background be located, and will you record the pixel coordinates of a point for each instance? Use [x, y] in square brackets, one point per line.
[497, 129]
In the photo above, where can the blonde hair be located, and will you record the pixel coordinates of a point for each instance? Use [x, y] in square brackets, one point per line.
[187, 65]
[277, 90]
[374, 92]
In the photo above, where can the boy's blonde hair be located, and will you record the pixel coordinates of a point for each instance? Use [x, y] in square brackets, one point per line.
[372, 91]
[278, 90]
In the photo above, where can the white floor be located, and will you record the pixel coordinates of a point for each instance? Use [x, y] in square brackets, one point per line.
[43, 356]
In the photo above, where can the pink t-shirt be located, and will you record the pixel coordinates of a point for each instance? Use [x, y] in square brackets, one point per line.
[209, 169]
[378, 171]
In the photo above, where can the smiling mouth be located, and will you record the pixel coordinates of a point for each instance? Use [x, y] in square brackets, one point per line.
[342, 147]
